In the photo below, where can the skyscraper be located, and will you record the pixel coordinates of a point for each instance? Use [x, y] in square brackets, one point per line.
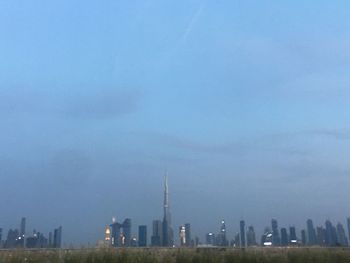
[284, 237]
[210, 239]
[188, 235]
[126, 232]
[330, 238]
[157, 233]
[57, 237]
[292, 236]
[321, 236]
[1, 238]
[182, 236]
[276, 241]
[23, 227]
[168, 234]
[251, 239]
[348, 223]
[303, 237]
[143, 236]
[342, 240]
[311, 233]
[242, 233]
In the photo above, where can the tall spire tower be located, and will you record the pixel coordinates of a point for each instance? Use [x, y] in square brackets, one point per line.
[166, 199]
[168, 235]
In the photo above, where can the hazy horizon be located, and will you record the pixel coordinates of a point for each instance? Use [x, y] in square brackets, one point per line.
[244, 103]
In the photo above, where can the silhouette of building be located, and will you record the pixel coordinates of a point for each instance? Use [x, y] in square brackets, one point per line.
[276, 241]
[348, 223]
[251, 238]
[341, 237]
[142, 236]
[266, 238]
[242, 233]
[311, 233]
[189, 242]
[57, 237]
[11, 240]
[121, 233]
[303, 237]
[293, 240]
[320, 236]
[284, 237]
[1, 245]
[210, 239]
[182, 236]
[168, 233]
[221, 239]
[157, 233]
[331, 234]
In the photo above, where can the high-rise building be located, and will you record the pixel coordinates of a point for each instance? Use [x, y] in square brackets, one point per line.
[50, 241]
[303, 237]
[348, 223]
[23, 227]
[157, 233]
[182, 236]
[293, 240]
[126, 232]
[11, 241]
[142, 236]
[320, 236]
[251, 239]
[188, 235]
[0, 237]
[221, 239]
[57, 237]
[237, 240]
[210, 239]
[242, 233]
[311, 233]
[341, 237]
[276, 241]
[115, 233]
[284, 237]
[168, 234]
[107, 235]
[331, 234]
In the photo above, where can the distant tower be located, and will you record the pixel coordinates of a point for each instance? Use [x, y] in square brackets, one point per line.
[276, 241]
[188, 235]
[157, 233]
[182, 236]
[292, 236]
[108, 235]
[57, 237]
[251, 239]
[348, 223]
[341, 237]
[284, 237]
[168, 234]
[222, 241]
[143, 236]
[311, 233]
[242, 233]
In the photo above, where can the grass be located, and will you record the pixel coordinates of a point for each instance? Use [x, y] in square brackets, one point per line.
[258, 255]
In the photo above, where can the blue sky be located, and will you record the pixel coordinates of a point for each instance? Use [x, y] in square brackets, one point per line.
[244, 103]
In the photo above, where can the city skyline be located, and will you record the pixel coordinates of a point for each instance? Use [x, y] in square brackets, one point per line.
[245, 103]
[122, 234]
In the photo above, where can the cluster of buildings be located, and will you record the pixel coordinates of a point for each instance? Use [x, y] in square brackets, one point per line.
[19, 238]
[119, 234]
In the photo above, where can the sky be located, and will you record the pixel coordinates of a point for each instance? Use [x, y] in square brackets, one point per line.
[244, 103]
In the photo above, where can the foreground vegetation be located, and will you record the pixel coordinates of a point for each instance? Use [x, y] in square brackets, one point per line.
[259, 255]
